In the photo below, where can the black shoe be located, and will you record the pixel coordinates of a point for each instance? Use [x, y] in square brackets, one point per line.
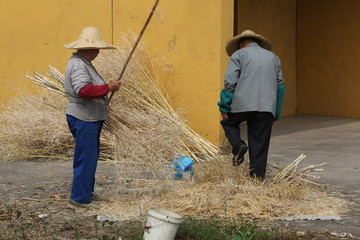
[239, 157]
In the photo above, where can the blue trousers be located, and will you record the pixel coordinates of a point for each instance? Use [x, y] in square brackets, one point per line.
[86, 154]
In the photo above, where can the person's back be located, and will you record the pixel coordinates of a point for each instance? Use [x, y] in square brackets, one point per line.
[255, 88]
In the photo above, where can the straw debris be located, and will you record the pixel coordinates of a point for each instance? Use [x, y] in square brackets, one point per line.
[220, 191]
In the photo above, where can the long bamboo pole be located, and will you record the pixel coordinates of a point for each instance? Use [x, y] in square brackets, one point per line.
[134, 47]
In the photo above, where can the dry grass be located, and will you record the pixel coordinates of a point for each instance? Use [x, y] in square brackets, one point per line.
[221, 191]
[143, 135]
[35, 126]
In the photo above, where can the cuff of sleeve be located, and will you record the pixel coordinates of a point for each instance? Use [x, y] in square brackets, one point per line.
[225, 101]
[279, 100]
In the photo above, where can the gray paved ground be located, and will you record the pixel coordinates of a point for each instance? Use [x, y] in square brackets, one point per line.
[323, 139]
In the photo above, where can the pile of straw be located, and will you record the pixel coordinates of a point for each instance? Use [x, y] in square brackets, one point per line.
[34, 127]
[219, 190]
[143, 135]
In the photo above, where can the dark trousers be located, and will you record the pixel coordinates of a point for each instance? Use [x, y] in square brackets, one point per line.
[87, 144]
[259, 125]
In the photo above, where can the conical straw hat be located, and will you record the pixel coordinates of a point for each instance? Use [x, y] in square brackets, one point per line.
[233, 44]
[90, 38]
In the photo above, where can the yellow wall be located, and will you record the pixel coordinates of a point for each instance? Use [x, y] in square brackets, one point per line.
[227, 33]
[192, 36]
[275, 20]
[316, 40]
[33, 34]
[328, 57]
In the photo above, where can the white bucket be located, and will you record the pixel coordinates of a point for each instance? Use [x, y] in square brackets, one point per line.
[161, 224]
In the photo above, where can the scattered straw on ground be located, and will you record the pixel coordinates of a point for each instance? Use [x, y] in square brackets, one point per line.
[219, 190]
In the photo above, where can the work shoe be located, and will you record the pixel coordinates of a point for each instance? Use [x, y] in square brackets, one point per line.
[82, 204]
[239, 156]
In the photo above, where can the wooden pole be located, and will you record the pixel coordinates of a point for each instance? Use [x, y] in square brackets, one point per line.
[134, 47]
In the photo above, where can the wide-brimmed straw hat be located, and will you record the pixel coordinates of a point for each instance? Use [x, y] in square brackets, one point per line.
[90, 38]
[233, 44]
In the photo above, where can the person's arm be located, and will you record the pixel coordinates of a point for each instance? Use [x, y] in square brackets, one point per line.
[279, 100]
[92, 91]
[79, 77]
[231, 78]
[232, 74]
[280, 91]
[225, 101]
[96, 91]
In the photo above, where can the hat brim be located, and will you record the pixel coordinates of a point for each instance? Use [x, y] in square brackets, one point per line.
[81, 44]
[233, 45]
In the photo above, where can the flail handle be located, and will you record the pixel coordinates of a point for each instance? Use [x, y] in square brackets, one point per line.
[134, 47]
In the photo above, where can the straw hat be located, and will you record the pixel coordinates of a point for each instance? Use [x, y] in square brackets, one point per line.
[233, 44]
[90, 38]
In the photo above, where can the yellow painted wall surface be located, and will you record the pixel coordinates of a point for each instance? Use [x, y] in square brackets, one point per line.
[227, 33]
[275, 20]
[33, 34]
[317, 42]
[328, 57]
[191, 35]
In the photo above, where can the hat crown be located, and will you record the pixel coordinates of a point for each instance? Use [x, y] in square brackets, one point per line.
[233, 44]
[247, 32]
[90, 34]
[90, 38]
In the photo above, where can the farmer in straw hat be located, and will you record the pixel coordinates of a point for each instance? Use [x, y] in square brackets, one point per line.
[253, 92]
[86, 112]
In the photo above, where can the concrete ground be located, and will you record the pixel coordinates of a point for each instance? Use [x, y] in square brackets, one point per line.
[335, 141]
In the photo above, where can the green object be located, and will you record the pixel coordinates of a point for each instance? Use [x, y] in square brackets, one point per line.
[279, 100]
[225, 101]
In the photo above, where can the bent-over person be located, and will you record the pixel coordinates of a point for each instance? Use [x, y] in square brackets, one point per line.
[253, 92]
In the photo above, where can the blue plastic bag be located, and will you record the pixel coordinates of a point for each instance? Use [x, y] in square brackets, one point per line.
[182, 165]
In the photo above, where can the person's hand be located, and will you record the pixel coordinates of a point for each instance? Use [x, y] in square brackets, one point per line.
[224, 116]
[114, 85]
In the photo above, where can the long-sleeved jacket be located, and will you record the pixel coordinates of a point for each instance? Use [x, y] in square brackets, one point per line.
[251, 81]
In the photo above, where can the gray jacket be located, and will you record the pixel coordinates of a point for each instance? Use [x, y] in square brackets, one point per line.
[80, 72]
[253, 75]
